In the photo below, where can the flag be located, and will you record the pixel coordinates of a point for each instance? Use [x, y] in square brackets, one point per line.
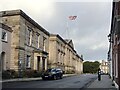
[72, 17]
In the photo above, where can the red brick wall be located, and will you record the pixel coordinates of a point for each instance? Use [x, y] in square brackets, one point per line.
[118, 7]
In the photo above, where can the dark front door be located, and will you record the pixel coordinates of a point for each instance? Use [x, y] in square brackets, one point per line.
[43, 65]
[38, 63]
[2, 62]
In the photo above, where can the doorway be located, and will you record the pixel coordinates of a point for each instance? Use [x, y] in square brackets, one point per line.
[38, 63]
[43, 65]
[2, 62]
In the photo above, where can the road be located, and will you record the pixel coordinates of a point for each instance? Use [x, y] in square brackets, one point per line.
[78, 81]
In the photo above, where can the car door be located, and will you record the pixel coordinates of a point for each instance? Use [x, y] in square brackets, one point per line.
[59, 72]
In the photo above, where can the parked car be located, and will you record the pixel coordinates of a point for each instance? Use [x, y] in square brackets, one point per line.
[53, 73]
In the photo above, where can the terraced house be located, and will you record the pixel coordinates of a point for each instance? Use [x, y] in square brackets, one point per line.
[34, 48]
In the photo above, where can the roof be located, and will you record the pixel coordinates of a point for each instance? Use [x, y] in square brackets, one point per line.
[68, 40]
[56, 35]
[24, 15]
[70, 43]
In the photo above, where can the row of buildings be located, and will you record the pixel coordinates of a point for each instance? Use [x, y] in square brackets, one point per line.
[104, 67]
[114, 46]
[25, 45]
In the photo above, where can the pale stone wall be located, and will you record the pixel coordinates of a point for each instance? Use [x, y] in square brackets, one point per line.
[5, 47]
[61, 53]
[63, 56]
[56, 52]
[13, 22]
[19, 22]
[52, 52]
[29, 50]
[104, 67]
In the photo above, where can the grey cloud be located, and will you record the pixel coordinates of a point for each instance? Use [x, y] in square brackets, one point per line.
[89, 30]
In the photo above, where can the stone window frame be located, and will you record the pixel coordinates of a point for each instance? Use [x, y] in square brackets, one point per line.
[29, 36]
[44, 43]
[37, 40]
[28, 61]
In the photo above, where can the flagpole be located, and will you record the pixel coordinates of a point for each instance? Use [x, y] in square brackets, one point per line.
[67, 29]
[67, 26]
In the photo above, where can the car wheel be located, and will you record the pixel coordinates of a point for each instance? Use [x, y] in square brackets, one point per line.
[55, 77]
[61, 77]
[43, 78]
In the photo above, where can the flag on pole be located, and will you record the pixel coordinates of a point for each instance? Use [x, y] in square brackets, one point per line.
[72, 17]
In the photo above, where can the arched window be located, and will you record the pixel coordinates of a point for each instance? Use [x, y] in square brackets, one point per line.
[3, 60]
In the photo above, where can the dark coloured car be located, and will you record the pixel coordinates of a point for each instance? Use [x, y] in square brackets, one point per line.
[53, 73]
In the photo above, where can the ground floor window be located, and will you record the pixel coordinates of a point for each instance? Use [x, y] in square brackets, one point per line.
[28, 59]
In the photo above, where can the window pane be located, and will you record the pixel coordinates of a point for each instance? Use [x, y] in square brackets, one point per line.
[4, 36]
[28, 61]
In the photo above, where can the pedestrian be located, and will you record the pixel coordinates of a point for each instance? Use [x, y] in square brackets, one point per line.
[99, 74]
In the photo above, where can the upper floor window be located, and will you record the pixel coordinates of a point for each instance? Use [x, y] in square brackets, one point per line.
[29, 36]
[4, 36]
[44, 43]
[38, 40]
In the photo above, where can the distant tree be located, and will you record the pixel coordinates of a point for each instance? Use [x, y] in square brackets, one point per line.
[90, 67]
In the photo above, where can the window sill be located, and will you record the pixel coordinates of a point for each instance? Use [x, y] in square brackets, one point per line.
[28, 67]
[5, 41]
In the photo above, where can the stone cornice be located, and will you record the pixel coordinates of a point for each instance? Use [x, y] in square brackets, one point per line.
[21, 13]
[58, 36]
[3, 26]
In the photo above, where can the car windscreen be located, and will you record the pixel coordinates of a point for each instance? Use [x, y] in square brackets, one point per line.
[53, 70]
[49, 70]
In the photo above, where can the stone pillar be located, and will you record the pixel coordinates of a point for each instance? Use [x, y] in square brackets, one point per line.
[41, 63]
[46, 64]
[35, 62]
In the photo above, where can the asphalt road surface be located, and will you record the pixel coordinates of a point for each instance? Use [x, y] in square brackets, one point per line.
[79, 81]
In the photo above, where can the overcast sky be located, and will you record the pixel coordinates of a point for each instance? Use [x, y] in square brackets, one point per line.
[88, 31]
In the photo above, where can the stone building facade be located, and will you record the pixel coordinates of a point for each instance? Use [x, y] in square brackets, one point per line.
[5, 43]
[29, 41]
[63, 55]
[104, 67]
[114, 47]
[34, 48]
[56, 51]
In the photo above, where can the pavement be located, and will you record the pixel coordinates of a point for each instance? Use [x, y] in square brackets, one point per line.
[105, 83]
[30, 79]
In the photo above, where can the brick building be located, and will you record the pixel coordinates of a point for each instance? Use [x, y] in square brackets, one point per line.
[114, 47]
